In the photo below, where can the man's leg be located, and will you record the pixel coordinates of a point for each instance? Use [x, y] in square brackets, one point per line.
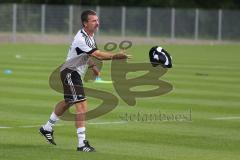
[47, 130]
[83, 144]
[81, 109]
[60, 108]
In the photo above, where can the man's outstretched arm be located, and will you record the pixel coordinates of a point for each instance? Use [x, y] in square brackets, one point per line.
[109, 56]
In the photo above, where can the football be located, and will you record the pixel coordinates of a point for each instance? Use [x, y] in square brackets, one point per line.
[159, 56]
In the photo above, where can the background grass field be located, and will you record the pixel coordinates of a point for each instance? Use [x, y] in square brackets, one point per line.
[205, 79]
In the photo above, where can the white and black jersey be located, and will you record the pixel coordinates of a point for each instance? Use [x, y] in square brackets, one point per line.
[75, 66]
[82, 46]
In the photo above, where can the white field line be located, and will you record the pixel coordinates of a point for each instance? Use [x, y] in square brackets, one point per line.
[3, 127]
[225, 118]
[33, 126]
[90, 123]
[117, 122]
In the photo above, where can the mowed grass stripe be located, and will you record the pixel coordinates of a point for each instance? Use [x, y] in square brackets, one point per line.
[205, 96]
[162, 135]
[28, 67]
[202, 79]
[44, 84]
[177, 91]
[165, 151]
[44, 100]
[224, 104]
[36, 60]
[231, 67]
[185, 140]
[188, 95]
[18, 89]
[31, 63]
[206, 73]
[206, 92]
[204, 84]
[33, 75]
[20, 80]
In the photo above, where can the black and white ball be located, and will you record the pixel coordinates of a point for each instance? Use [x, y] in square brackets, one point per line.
[159, 56]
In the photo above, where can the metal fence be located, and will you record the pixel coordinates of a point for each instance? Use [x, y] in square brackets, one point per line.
[147, 22]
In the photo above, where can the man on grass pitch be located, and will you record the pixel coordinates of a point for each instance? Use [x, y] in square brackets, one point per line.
[72, 71]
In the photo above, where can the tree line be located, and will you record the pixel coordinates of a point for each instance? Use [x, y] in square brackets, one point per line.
[205, 4]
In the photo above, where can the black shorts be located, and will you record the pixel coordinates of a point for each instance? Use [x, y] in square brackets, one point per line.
[72, 86]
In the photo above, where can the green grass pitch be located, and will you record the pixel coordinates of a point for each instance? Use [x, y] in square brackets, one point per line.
[205, 80]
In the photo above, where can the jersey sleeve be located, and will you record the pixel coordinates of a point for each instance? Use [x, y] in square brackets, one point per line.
[84, 46]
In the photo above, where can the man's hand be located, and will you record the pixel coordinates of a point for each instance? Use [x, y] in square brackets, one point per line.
[122, 55]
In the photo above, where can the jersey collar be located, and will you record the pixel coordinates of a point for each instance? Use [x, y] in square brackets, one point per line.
[85, 33]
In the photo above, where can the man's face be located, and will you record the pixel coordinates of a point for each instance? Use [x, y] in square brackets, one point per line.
[92, 24]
